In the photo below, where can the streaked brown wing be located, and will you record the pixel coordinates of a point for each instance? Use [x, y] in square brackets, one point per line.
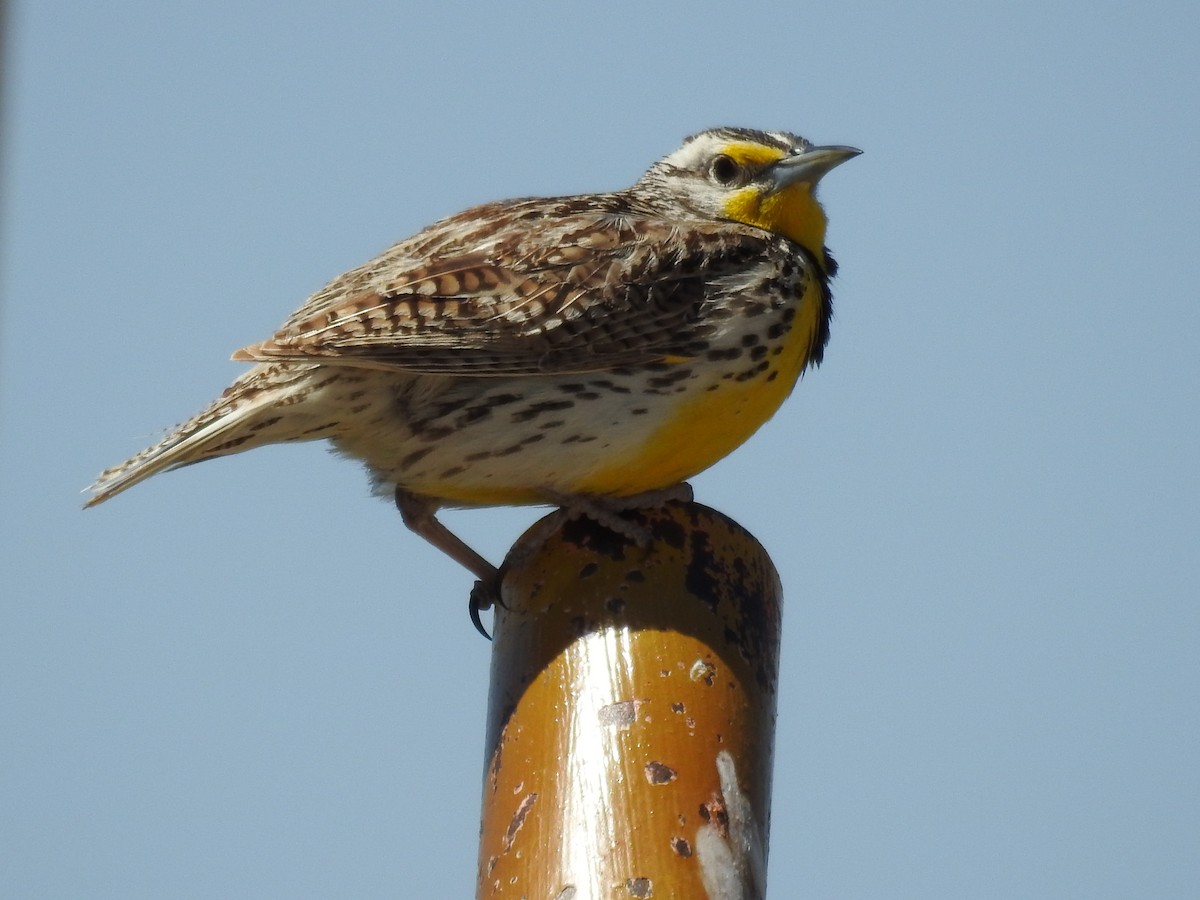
[569, 292]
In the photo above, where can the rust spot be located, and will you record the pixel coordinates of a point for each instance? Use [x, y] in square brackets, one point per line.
[660, 773]
[714, 813]
[493, 772]
[640, 887]
[678, 708]
[681, 846]
[589, 570]
[518, 820]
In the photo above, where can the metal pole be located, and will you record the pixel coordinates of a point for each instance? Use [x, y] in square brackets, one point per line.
[631, 719]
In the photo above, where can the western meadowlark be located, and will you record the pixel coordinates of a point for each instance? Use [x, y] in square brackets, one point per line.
[591, 350]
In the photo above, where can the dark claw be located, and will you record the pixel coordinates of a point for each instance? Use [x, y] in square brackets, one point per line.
[484, 595]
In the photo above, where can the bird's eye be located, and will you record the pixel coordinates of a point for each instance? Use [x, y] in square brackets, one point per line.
[723, 170]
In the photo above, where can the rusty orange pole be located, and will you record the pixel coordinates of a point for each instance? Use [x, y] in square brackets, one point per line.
[631, 720]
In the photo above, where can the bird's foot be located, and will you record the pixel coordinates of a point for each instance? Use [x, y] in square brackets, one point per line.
[608, 511]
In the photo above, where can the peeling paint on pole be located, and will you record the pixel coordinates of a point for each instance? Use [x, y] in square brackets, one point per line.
[730, 846]
[632, 712]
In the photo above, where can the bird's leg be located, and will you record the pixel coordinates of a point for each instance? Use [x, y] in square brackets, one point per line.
[419, 514]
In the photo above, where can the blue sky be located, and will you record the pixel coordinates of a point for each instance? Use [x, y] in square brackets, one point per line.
[245, 679]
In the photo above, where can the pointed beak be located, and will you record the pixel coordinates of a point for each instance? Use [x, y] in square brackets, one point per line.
[810, 165]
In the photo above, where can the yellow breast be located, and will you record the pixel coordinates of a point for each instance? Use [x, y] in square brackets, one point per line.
[709, 424]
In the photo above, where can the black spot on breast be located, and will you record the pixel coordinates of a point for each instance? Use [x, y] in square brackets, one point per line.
[610, 386]
[494, 400]
[727, 354]
[532, 412]
[473, 414]
[751, 372]
[415, 457]
[674, 377]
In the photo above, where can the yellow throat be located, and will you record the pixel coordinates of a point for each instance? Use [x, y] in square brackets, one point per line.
[792, 211]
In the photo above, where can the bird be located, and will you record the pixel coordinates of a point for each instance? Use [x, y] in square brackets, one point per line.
[591, 352]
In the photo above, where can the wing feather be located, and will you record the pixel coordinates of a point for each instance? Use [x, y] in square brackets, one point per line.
[521, 288]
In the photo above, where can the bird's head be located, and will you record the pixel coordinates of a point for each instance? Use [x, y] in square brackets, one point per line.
[766, 179]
